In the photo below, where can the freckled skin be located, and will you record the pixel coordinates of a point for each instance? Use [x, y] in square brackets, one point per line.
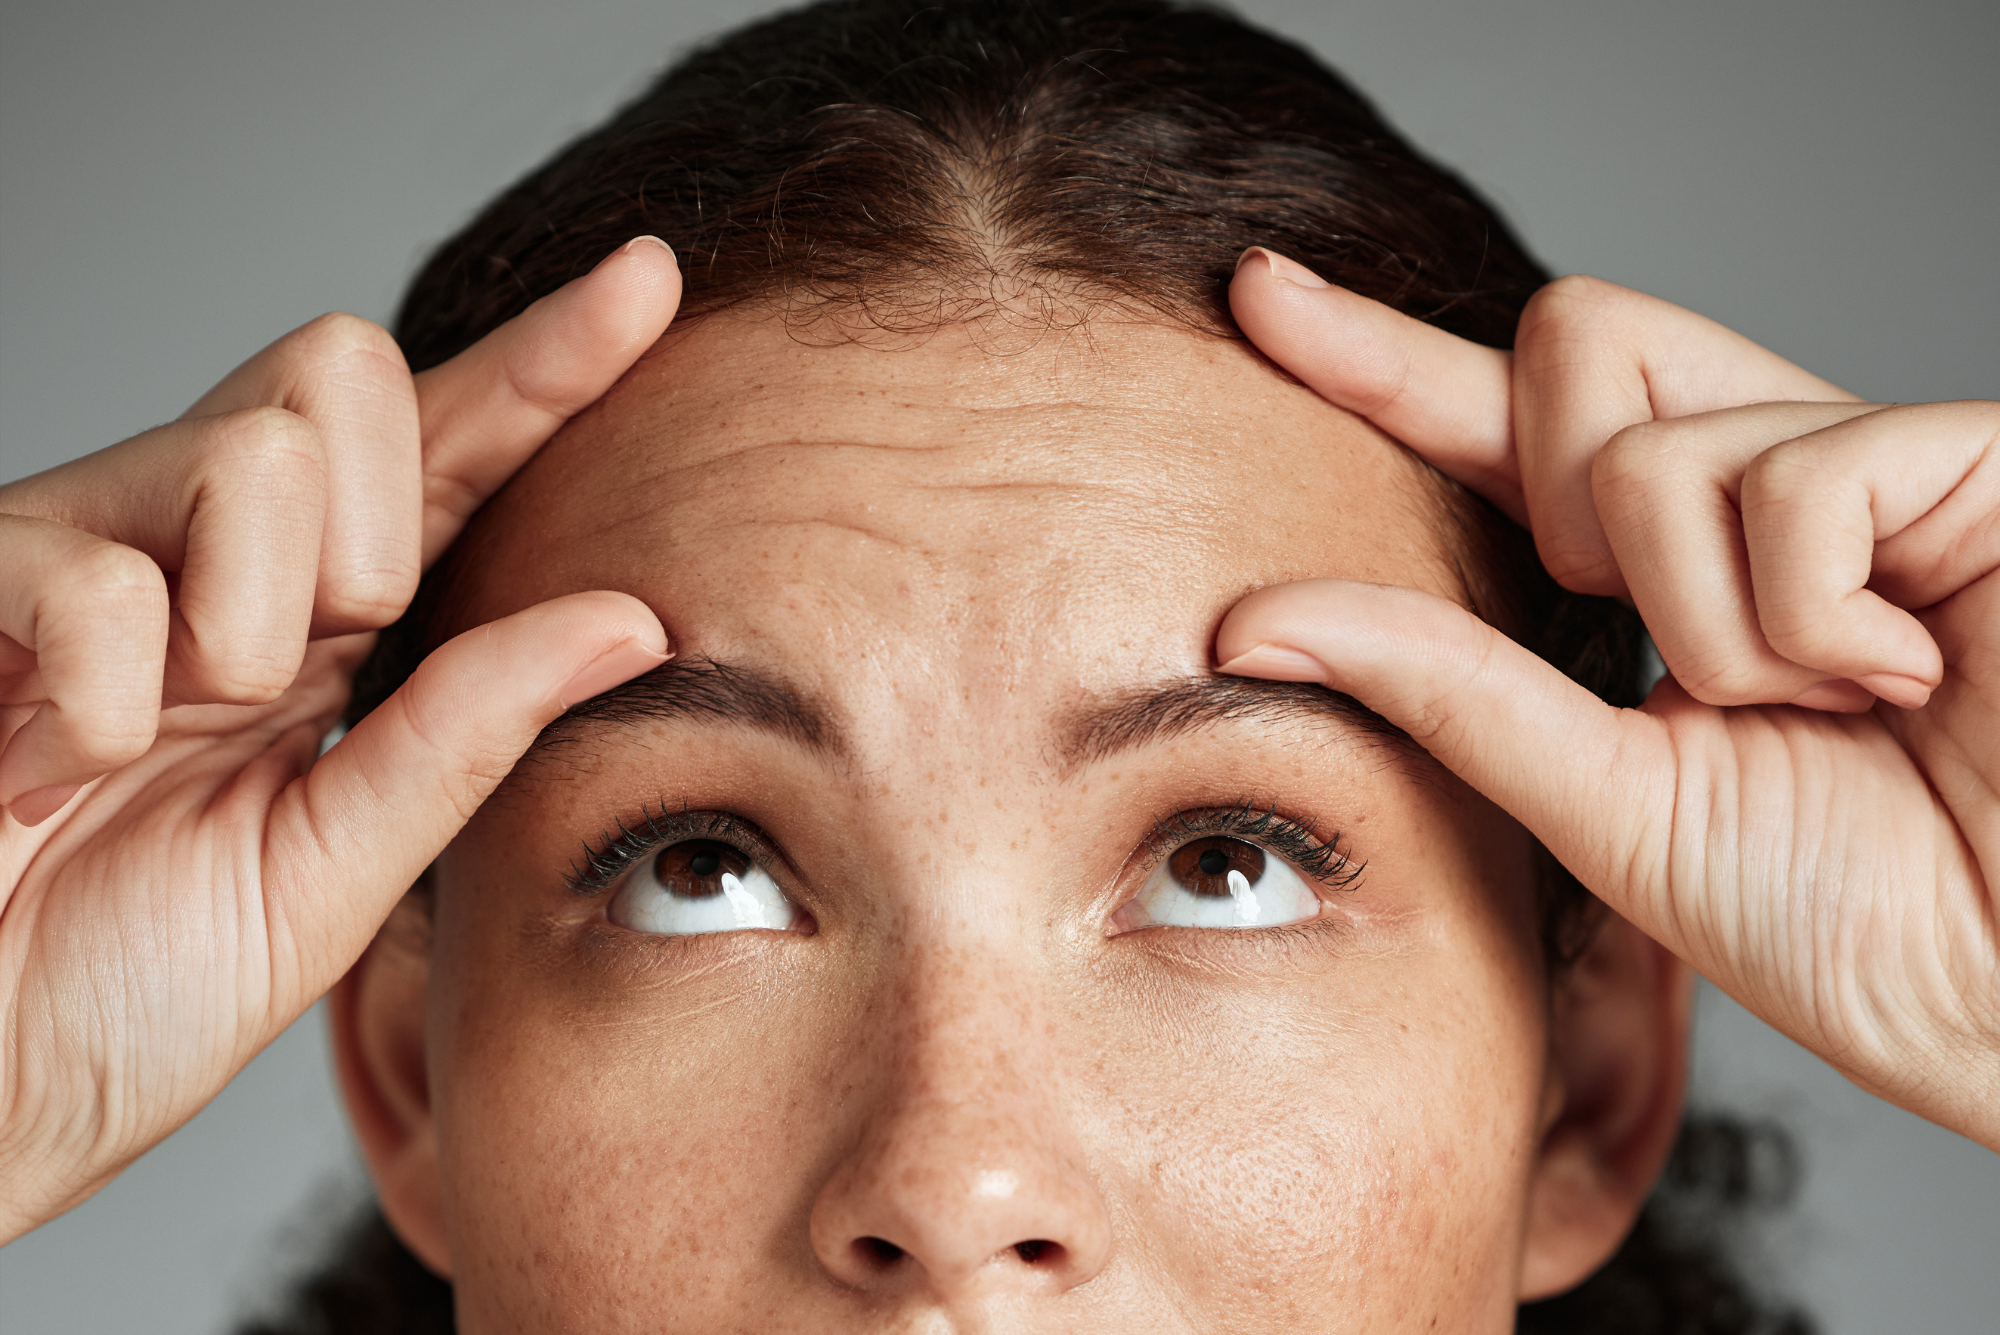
[1327, 1128]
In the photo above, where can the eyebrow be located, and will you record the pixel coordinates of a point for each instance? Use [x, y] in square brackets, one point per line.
[707, 690]
[1158, 714]
[701, 688]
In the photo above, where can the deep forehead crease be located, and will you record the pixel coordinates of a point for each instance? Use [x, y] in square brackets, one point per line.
[708, 691]
[1079, 456]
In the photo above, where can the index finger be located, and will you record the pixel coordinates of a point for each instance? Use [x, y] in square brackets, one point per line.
[1446, 398]
[487, 410]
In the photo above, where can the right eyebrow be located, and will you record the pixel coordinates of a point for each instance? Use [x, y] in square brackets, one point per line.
[700, 688]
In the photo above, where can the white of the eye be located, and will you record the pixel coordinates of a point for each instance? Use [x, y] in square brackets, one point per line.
[750, 901]
[1280, 896]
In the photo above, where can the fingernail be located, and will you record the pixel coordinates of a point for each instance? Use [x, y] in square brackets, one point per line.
[649, 239]
[38, 804]
[1835, 697]
[622, 664]
[1899, 690]
[1291, 271]
[1276, 663]
[634, 244]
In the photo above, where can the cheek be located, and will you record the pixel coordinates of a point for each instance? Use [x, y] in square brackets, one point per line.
[613, 1153]
[1306, 1164]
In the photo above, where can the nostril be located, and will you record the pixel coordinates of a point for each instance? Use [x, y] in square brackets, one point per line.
[1039, 1251]
[878, 1252]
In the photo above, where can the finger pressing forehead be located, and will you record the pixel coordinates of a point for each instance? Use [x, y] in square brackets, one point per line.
[487, 410]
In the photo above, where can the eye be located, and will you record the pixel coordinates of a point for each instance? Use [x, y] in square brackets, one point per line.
[700, 885]
[1219, 882]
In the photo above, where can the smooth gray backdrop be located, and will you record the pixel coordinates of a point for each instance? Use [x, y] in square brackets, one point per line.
[183, 180]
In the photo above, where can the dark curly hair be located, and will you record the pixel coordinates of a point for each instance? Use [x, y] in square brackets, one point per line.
[882, 168]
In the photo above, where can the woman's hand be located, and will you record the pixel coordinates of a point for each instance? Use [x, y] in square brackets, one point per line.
[180, 616]
[1808, 808]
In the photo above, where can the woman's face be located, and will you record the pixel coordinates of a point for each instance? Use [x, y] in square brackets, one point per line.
[938, 943]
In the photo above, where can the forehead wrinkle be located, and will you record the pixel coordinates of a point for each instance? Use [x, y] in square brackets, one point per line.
[952, 514]
[1151, 715]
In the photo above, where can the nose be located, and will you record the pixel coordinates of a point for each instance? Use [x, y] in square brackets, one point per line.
[962, 1197]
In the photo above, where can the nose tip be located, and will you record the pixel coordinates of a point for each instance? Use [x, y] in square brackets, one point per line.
[898, 1220]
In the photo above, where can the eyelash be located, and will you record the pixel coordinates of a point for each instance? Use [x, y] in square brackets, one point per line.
[1321, 859]
[607, 859]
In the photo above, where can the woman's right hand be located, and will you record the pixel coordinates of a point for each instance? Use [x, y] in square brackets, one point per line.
[180, 617]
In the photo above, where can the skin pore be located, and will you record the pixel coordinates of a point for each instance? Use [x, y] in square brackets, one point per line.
[942, 616]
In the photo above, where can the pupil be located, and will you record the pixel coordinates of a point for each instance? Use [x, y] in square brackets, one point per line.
[1214, 862]
[704, 864]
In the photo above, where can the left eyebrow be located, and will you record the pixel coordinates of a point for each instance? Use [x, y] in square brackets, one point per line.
[1161, 713]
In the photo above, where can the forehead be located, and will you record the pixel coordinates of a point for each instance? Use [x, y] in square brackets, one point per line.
[990, 512]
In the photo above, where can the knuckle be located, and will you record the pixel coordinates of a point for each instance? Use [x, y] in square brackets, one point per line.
[1570, 303]
[113, 738]
[264, 452]
[1717, 682]
[1580, 567]
[1637, 455]
[109, 575]
[254, 674]
[234, 691]
[1637, 472]
[367, 600]
[262, 436]
[1798, 639]
[1782, 478]
[336, 338]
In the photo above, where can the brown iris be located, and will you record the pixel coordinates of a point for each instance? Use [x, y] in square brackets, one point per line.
[1203, 867]
[693, 869]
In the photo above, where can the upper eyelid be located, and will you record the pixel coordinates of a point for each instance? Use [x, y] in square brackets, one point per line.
[1324, 860]
[615, 853]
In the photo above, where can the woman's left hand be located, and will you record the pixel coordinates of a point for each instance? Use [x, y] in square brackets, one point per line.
[1807, 808]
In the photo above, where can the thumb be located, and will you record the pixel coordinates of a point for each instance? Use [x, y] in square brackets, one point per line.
[348, 838]
[1594, 783]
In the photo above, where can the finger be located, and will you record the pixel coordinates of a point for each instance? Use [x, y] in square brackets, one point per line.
[1814, 510]
[1956, 542]
[347, 377]
[348, 838]
[233, 505]
[1666, 492]
[1536, 743]
[94, 614]
[1592, 358]
[1443, 397]
[488, 409]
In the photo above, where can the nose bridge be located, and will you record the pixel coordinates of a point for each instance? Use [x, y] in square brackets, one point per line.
[966, 1177]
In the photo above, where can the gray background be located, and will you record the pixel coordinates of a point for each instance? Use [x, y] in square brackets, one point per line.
[183, 180]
